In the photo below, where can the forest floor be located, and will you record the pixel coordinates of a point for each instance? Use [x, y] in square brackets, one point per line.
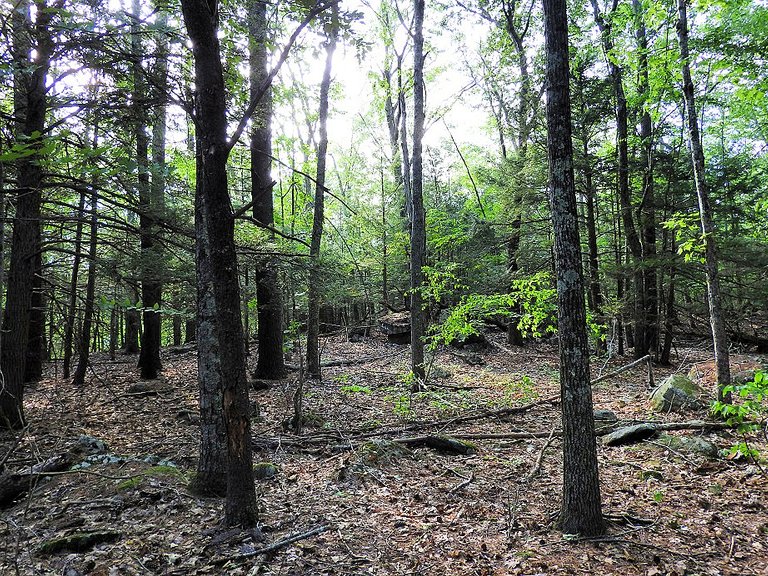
[374, 508]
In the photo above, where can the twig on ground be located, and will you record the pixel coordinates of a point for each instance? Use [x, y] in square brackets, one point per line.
[275, 545]
[624, 368]
[537, 466]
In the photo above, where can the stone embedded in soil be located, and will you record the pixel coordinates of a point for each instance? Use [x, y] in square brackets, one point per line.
[692, 444]
[630, 434]
[264, 471]
[605, 415]
[78, 541]
[678, 392]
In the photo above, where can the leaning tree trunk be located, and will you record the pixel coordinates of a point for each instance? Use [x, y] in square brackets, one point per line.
[581, 510]
[31, 105]
[719, 335]
[314, 296]
[270, 363]
[418, 220]
[215, 242]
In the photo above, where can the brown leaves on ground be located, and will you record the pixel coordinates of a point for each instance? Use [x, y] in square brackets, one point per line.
[421, 512]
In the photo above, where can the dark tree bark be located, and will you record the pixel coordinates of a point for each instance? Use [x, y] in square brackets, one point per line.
[150, 194]
[270, 363]
[647, 209]
[31, 106]
[84, 348]
[217, 264]
[69, 321]
[719, 335]
[314, 296]
[418, 219]
[581, 510]
[132, 324]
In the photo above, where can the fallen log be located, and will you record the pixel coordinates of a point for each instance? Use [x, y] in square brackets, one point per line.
[13, 486]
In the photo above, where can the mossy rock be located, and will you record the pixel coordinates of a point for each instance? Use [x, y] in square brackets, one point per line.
[675, 393]
[265, 470]
[381, 451]
[308, 420]
[690, 444]
[363, 464]
[157, 471]
[78, 541]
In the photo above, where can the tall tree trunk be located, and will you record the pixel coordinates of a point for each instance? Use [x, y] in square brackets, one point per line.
[314, 295]
[647, 211]
[270, 363]
[217, 271]
[514, 336]
[581, 509]
[150, 194]
[90, 295]
[211, 475]
[418, 220]
[31, 106]
[625, 195]
[719, 335]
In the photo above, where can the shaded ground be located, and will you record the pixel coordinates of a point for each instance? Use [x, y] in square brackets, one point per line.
[419, 513]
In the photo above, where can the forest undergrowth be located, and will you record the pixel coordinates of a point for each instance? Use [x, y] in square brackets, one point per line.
[361, 489]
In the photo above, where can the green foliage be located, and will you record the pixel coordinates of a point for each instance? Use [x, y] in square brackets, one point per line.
[520, 391]
[355, 389]
[748, 413]
[533, 303]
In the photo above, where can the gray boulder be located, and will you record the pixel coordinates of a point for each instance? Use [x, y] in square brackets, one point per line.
[691, 444]
[630, 434]
[676, 393]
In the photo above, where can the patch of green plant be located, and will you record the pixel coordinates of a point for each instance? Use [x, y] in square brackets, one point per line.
[355, 389]
[522, 391]
[402, 406]
[130, 483]
[658, 496]
[151, 472]
[341, 379]
[747, 413]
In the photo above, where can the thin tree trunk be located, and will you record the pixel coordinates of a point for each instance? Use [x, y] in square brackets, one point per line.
[625, 196]
[33, 364]
[69, 322]
[719, 335]
[581, 509]
[314, 296]
[418, 219]
[647, 211]
[270, 362]
[90, 292]
[514, 335]
[150, 196]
